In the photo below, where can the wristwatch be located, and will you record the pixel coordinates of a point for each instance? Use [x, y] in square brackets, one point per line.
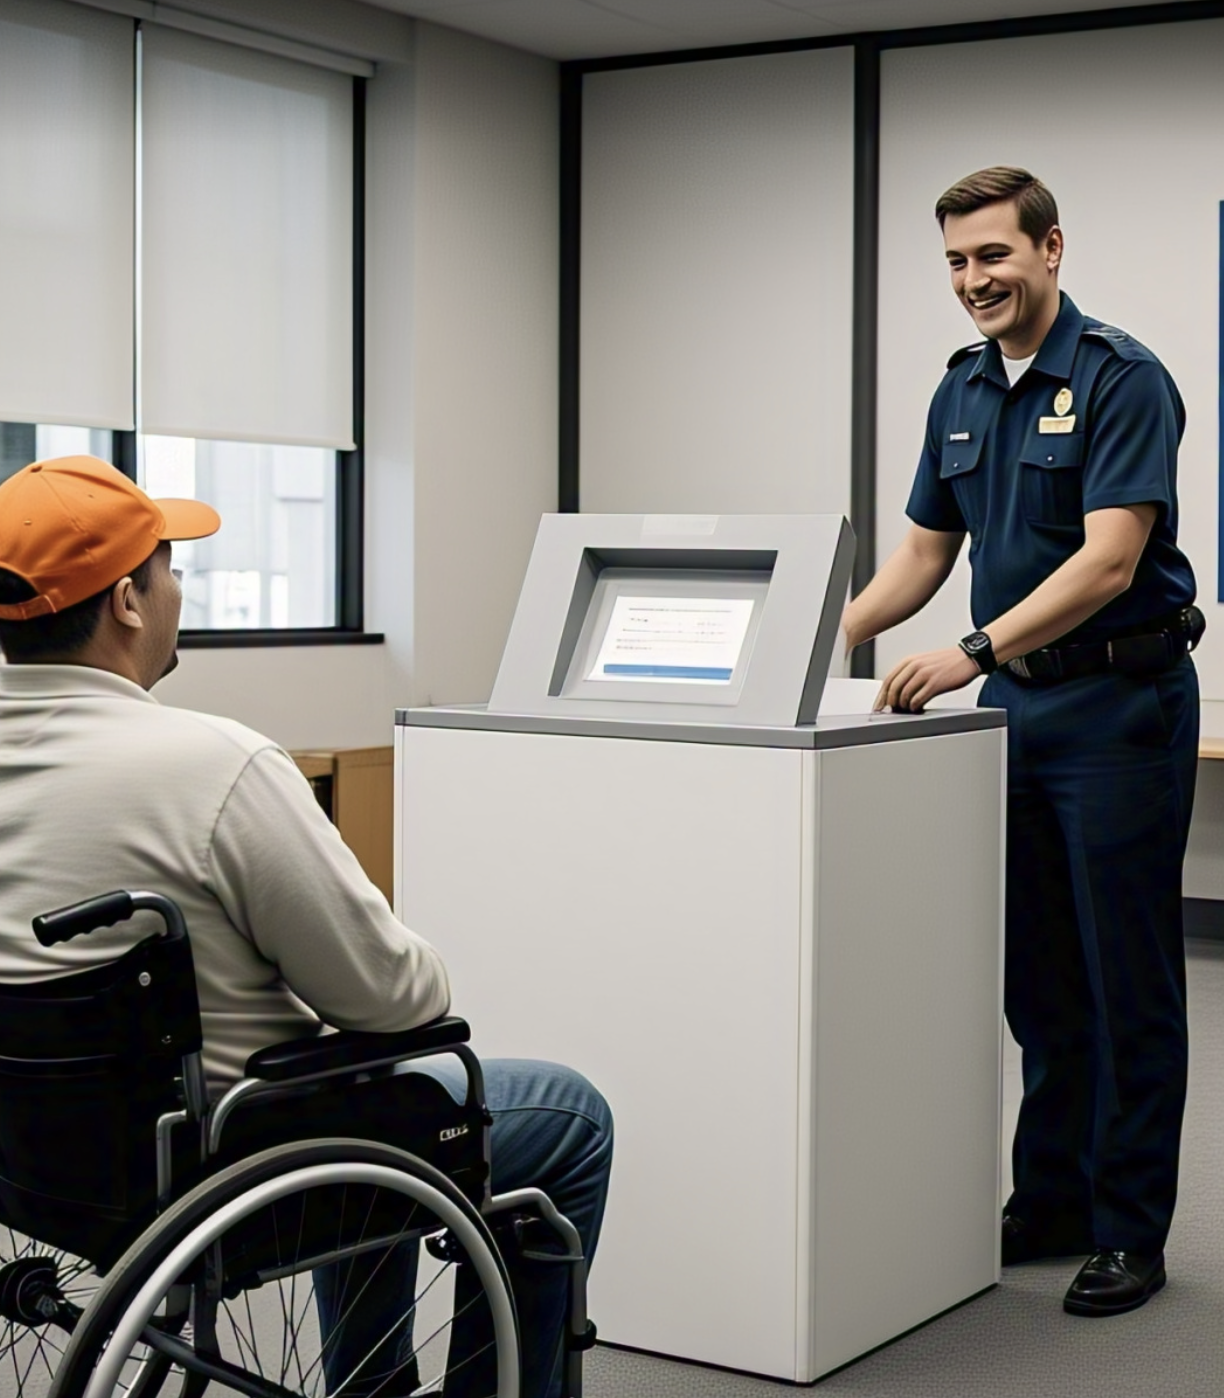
[978, 648]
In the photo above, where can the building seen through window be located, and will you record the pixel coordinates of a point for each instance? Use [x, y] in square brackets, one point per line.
[21, 443]
[272, 565]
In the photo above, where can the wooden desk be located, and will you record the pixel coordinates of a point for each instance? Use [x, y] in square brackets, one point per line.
[354, 787]
[1211, 748]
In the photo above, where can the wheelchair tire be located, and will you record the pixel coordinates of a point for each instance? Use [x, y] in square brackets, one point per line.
[254, 1232]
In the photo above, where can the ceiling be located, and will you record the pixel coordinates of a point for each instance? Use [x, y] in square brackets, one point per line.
[605, 28]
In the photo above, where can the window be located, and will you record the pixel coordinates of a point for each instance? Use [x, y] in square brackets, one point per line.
[226, 367]
[21, 443]
[272, 565]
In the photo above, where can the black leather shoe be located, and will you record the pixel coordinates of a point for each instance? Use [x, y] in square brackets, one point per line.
[1025, 1242]
[1111, 1283]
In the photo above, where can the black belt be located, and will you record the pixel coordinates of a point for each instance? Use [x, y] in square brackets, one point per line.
[1146, 649]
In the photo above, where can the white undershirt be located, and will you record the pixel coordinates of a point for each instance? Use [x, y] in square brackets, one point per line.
[1016, 367]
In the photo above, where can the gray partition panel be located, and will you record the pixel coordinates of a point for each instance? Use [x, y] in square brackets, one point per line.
[781, 578]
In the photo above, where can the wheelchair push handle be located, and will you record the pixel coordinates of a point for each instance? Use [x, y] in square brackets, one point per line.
[104, 911]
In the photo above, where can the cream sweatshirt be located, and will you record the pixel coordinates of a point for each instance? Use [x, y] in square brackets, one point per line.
[102, 788]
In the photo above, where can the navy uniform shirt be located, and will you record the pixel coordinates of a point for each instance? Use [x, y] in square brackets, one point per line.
[1019, 468]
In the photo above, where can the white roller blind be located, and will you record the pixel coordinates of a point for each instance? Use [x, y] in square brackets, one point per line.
[247, 254]
[67, 173]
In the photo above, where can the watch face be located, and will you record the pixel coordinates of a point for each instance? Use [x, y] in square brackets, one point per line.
[978, 641]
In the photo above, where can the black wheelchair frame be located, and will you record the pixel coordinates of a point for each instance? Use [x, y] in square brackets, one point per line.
[111, 1153]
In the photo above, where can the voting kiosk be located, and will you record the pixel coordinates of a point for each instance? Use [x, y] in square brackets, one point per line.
[764, 921]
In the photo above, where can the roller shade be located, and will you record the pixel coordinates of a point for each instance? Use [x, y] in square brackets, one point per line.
[247, 179]
[67, 224]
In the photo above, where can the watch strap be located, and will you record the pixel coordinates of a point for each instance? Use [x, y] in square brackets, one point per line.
[978, 648]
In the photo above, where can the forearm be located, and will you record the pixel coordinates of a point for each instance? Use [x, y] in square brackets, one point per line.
[912, 575]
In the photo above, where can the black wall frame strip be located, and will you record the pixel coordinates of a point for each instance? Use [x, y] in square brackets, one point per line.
[570, 289]
[867, 50]
[350, 465]
[864, 376]
[123, 453]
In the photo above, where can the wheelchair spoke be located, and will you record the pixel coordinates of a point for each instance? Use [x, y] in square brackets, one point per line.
[296, 1324]
[337, 1327]
[439, 1380]
[45, 1339]
[405, 1318]
[21, 1382]
[246, 1343]
[12, 1350]
[43, 1342]
[348, 1271]
[246, 1296]
[297, 1330]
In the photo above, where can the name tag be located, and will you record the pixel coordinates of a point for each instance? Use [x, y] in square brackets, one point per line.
[958, 437]
[1056, 425]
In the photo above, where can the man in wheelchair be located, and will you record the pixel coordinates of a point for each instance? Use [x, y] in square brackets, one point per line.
[176, 1100]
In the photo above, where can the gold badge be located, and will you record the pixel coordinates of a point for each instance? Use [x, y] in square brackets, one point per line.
[1059, 426]
[1063, 401]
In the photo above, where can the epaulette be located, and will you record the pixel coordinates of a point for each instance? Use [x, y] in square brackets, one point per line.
[962, 354]
[1118, 340]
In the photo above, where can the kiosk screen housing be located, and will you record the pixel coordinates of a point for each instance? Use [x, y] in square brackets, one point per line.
[700, 618]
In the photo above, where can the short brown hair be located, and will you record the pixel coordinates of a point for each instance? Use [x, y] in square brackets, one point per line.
[57, 633]
[1036, 210]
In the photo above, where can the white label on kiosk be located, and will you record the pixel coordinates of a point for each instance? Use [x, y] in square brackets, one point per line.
[693, 640]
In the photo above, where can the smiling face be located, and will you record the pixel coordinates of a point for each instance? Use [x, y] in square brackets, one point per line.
[1007, 283]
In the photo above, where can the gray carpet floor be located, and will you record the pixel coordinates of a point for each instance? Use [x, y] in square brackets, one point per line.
[1016, 1341]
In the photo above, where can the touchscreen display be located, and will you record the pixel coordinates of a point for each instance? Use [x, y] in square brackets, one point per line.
[687, 639]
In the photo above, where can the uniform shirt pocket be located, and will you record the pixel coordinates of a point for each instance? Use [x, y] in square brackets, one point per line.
[958, 467]
[1052, 480]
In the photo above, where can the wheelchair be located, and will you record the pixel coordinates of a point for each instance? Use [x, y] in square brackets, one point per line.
[152, 1243]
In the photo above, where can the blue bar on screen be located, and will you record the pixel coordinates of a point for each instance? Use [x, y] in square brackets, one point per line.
[671, 672]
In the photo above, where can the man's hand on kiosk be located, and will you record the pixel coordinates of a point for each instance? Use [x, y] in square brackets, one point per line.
[919, 678]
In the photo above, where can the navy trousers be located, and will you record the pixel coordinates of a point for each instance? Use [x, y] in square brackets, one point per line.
[1101, 782]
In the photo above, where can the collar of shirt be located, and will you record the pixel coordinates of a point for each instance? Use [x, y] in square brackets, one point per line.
[66, 682]
[1054, 358]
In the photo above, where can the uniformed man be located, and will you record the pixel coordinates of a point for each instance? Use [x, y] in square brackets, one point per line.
[1053, 445]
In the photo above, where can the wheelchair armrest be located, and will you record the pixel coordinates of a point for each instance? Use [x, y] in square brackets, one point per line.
[351, 1048]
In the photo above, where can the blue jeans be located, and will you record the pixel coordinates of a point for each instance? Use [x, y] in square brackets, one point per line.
[552, 1131]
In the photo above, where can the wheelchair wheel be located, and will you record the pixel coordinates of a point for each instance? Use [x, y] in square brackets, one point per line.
[43, 1291]
[300, 1272]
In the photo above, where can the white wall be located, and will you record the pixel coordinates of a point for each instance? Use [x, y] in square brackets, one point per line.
[484, 364]
[302, 696]
[1126, 128]
[461, 409]
[717, 207]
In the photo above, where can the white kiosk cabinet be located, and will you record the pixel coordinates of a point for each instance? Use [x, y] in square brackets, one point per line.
[768, 929]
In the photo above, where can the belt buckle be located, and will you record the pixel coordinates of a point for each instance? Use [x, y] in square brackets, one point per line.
[1018, 666]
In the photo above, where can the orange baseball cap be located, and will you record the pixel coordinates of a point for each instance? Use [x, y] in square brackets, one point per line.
[74, 525]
